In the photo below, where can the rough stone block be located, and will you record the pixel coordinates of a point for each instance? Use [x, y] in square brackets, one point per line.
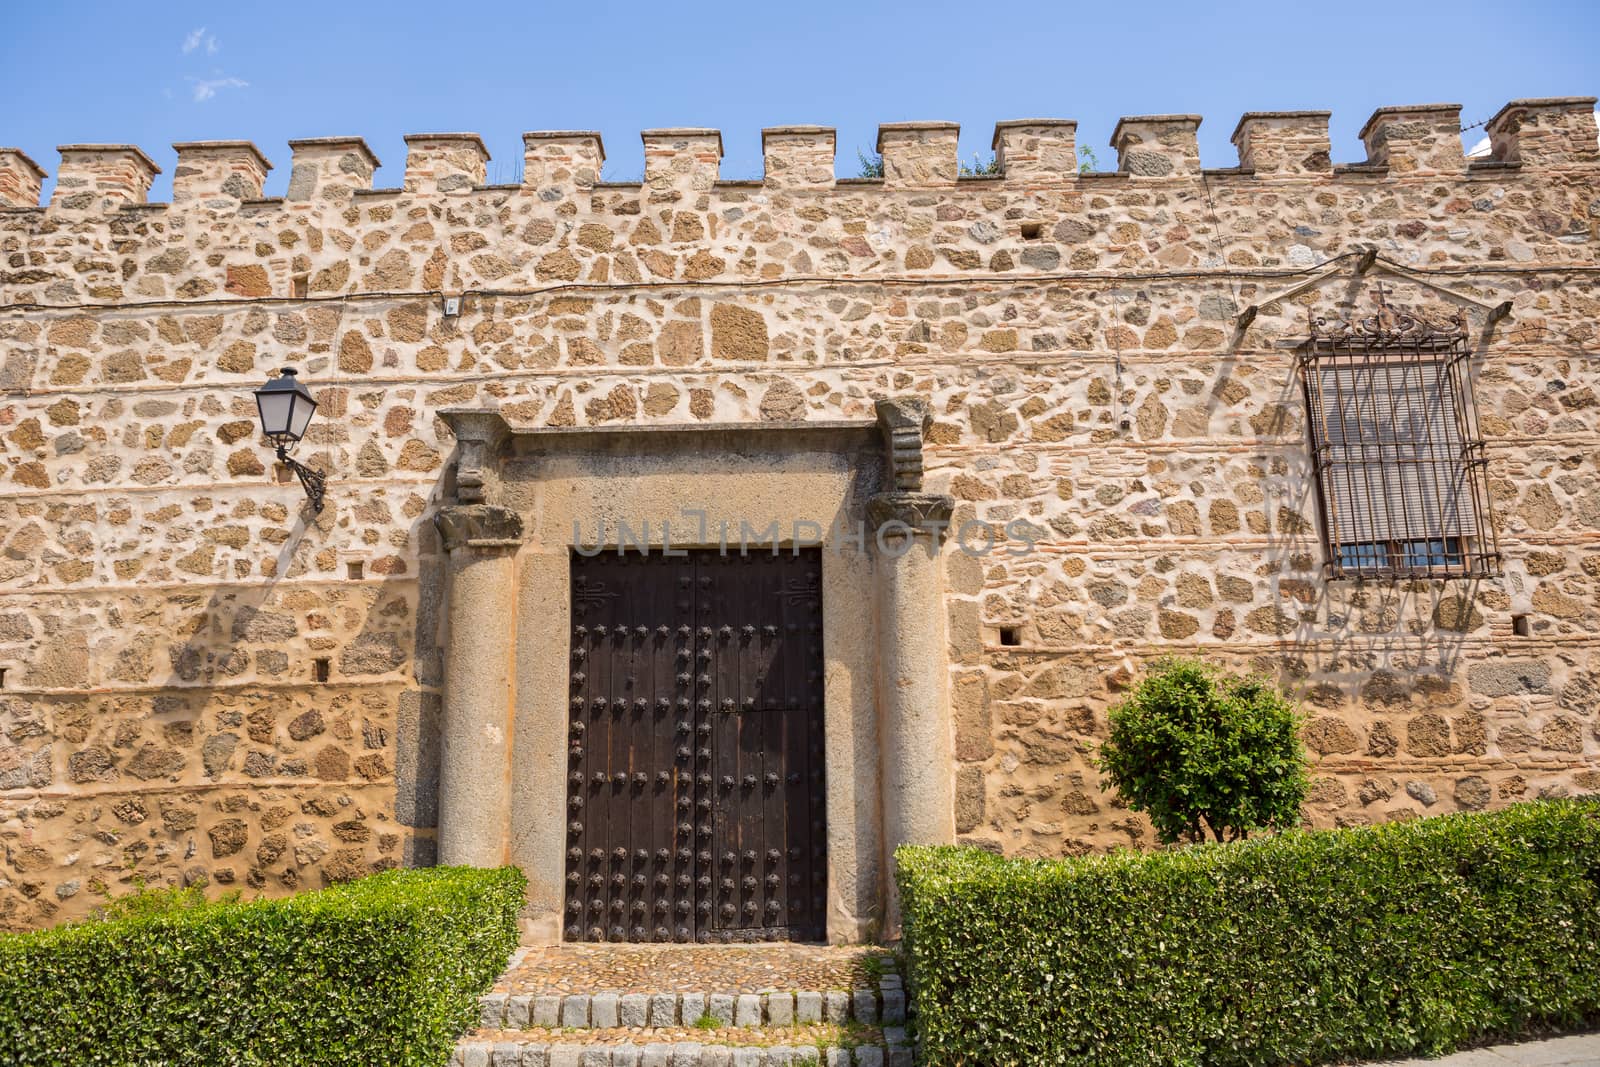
[566, 1055]
[836, 1006]
[664, 1009]
[656, 1054]
[716, 1056]
[864, 1006]
[746, 1057]
[747, 1010]
[492, 1010]
[686, 1054]
[595, 1057]
[633, 1009]
[626, 1055]
[894, 1005]
[475, 1054]
[519, 1011]
[837, 1057]
[535, 1055]
[547, 1011]
[692, 1007]
[808, 1008]
[603, 1012]
[506, 1054]
[720, 1008]
[575, 1010]
[780, 1009]
[778, 1056]
[869, 1056]
[901, 1056]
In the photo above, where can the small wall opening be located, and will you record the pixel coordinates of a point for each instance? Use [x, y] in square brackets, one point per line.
[1522, 626]
[354, 570]
[319, 669]
[3, 676]
[1011, 636]
[1032, 231]
[299, 286]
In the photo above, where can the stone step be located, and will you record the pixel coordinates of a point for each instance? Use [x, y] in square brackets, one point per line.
[627, 1051]
[515, 1011]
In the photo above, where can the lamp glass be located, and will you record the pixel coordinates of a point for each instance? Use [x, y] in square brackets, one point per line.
[300, 415]
[276, 408]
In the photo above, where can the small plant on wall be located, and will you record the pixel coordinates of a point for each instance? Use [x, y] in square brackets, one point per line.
[1205, 752]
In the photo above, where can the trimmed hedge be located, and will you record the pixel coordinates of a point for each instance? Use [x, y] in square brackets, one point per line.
[1410, 937]
[386, 969]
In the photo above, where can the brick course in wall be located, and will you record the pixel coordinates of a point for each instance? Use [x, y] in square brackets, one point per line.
[164, 602]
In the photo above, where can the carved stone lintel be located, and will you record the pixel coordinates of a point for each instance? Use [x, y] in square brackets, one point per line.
[920, 513]
[904, 421]
[478, 526]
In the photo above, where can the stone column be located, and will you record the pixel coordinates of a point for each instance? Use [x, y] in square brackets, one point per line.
[474, 763]
[908, 530]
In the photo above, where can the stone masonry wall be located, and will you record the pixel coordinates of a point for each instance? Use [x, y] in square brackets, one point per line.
[166, 607]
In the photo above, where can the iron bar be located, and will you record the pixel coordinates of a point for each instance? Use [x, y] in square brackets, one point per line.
[1400, 469]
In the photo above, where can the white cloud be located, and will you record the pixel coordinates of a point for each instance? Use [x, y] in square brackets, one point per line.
[196, 38]
[206, 88]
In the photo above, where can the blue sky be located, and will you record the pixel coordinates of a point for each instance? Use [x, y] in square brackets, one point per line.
[169, 72]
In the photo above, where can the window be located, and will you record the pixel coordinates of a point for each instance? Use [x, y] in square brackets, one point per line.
[1400, 467]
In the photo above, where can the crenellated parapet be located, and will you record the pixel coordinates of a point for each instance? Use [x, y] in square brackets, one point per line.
[1401, 143]
[445, 162]
[1157, 146]
[1423, 139]
[1550, 132]
[102, 175]
[1037, 151]
[556, 162]
[329, 168]
[213, 170]
[1284, 142]
[21, 179]
[678, 161]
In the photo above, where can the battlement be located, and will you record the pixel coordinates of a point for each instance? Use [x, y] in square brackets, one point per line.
[1401, 142]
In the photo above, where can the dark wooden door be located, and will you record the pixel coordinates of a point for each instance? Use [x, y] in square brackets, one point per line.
[695, 770]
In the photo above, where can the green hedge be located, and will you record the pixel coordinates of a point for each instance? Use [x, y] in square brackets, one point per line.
[1410, 937]
[386, 969]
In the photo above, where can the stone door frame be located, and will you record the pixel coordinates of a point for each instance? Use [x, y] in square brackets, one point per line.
[509, 533]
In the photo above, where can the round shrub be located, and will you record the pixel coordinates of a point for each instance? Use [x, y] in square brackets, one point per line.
[1198, 750]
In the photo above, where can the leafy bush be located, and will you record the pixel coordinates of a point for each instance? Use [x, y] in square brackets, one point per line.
[1307, 947]
[1192, 745]
[385, 969]
[871, 166]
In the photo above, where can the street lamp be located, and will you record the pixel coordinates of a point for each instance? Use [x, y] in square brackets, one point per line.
[286, 407]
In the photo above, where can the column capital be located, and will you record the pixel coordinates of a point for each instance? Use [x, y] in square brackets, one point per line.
[478, 526]
[921, 513]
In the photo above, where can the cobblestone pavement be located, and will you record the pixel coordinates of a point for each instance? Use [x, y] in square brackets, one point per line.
[559, 969]
[1578, 1050]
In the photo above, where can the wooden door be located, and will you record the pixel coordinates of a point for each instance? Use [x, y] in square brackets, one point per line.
[695, 771]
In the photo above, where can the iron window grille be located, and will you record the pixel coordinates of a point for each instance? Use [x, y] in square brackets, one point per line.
[1401, 474]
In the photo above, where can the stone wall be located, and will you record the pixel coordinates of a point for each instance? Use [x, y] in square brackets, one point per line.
[167, 611]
